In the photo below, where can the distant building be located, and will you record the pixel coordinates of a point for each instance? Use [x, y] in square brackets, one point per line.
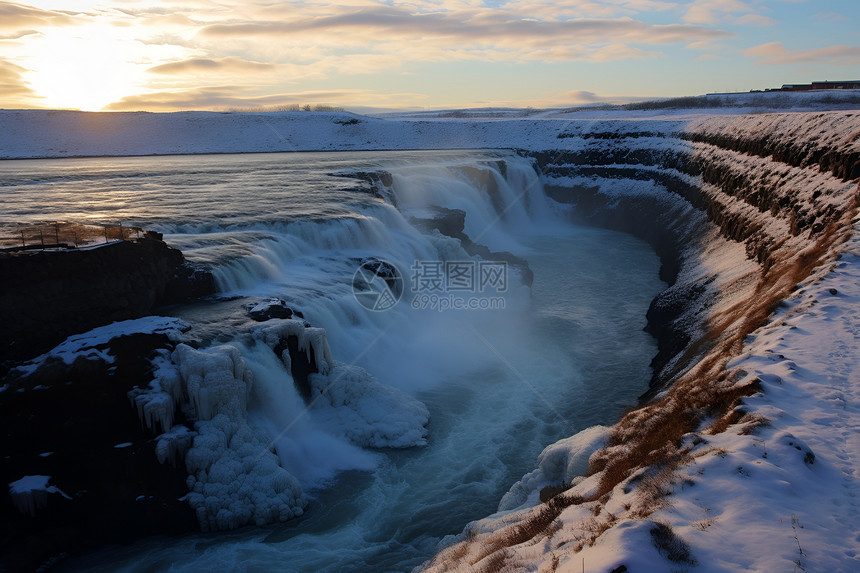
[848, 85]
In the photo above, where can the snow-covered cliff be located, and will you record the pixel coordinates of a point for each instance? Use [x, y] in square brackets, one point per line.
[749, 214]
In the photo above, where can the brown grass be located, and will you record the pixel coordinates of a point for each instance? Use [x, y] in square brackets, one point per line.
[670, 545]
[654, 432]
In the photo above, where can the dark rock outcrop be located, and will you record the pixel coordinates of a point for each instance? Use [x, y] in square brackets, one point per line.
[46, 296]
[75, 424]
[452, 222]
[269, 309]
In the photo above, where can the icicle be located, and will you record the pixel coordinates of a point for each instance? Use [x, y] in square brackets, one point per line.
[308, 338]
[174, 444]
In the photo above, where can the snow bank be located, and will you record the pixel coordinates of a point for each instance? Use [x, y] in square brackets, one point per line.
[702, 477]
[45, 133]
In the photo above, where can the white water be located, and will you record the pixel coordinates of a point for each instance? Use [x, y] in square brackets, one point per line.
[500, 385]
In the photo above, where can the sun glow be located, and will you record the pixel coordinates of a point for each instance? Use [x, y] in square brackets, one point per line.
[84, 67]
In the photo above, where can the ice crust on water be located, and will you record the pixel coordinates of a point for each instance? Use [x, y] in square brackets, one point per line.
[369, 414]
[559, 463]
[30, 493]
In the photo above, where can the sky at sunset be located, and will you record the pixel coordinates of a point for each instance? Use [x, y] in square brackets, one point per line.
[424, 54]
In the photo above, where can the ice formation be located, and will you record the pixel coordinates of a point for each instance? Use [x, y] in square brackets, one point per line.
[234, 479]
[366, 412]
[174, 444]
[30, 493]
[217, 380]
[558, 464]
[309, 338]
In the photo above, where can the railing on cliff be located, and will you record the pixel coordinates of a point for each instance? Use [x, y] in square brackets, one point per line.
[63, 235]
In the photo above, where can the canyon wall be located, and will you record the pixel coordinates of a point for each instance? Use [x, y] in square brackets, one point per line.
[741, 210]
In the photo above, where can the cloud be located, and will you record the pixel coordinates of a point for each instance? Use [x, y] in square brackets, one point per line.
[775, 53]
[229, 65]
[471, 27]
[581, 96]
[233, 97]
[175, 20]
[712, 12]
[168, 40]
[18, 16]
[18, 35]
[16, 92]
[408, 34]
[830, 17]
[755, 20]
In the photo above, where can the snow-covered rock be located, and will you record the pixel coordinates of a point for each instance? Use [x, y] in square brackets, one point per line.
[30, 493]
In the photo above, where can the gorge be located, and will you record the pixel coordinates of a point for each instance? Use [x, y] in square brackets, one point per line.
[744, 211]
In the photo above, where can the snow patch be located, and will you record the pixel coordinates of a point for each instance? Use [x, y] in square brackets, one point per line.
[30, 493]
[93, 344]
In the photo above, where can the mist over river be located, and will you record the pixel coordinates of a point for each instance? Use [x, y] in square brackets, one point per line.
[504, 368]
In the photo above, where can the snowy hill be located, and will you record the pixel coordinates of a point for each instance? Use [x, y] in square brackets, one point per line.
[41, 133]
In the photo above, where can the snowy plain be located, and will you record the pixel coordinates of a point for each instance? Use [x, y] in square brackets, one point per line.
[782, 498]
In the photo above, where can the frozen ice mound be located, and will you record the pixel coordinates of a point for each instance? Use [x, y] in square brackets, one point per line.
[234, 478]
[217, 380]
[174, 444]
[369, 414]
[558, 464]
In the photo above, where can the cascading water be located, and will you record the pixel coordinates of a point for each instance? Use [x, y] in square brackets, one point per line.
[522, 369]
